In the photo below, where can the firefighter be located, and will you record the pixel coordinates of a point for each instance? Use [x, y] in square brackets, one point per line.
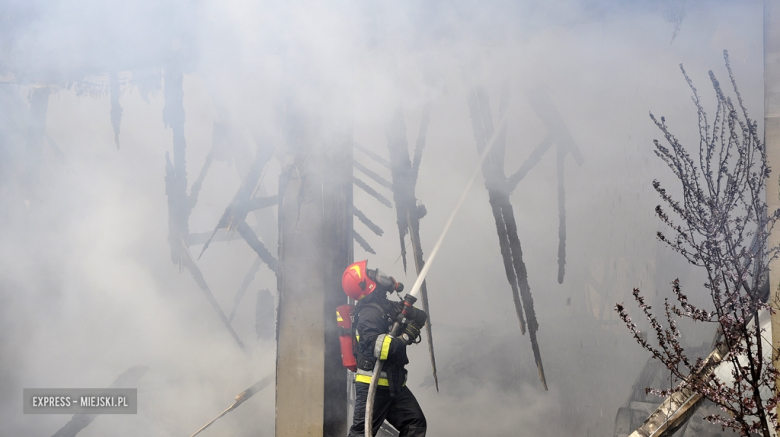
[373, 315]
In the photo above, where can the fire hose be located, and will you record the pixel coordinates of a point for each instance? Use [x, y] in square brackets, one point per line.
[411, 297]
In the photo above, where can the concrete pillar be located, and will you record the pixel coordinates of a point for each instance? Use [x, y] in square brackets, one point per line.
[772, 140]
[315, 246]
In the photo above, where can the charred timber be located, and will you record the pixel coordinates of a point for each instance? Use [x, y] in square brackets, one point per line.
[363, 186]
[239, 207]
[561, 217]
[366, 221]
[529, 163]
[178, 210]
[421, 136]
[503, 212]
[414, 237]
[509, 268]
[408, 213]
[262, 202]
[363, 243]
[559, 134]
[373, 175]
[373, 156]
[175, 167]
[251, 239]
[240, 399]
[192, 200]
[188, 262]
[544, 107]
[403, 185]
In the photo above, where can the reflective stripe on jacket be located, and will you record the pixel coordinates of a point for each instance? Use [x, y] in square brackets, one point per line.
[374, 316]
[382, 346]
[364, 376]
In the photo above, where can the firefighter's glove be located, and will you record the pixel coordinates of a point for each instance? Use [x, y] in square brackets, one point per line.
[416, 320]
[411, 333]
[417, 316]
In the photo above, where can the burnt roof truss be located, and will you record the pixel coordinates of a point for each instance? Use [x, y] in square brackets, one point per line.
[181, 204]
[500, 187]
[408, 210]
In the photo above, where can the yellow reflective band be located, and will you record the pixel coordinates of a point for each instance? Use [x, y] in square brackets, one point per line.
[357, 270]
[366, 379]
[385, 347]
[338, 317]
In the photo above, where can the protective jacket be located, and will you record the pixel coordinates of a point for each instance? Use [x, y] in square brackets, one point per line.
[374, 315]
[394, 402]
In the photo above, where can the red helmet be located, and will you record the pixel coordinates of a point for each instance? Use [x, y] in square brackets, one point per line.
[356, 282]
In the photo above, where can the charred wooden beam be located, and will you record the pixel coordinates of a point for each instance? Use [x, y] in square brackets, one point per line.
[509, 268]
[192, 200]
[80, 421]
[525, 290]
[559, 134]
[363, 186]
[528, 164]
[561, 216]
[262, 202]
[373, 175]
[260, 205]
[403, 185]
[419, 263]
[408, 212]
[421, 136]
[236, 211]
[493, 171]
[175, 167]
[366, 221]
[240, 399]
[363, 243]
[188, 262]
[178, 211]
[251, 239]
[503, 212]
[373, 156]
[544, 107]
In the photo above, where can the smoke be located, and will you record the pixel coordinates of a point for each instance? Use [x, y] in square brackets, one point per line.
[87, 286]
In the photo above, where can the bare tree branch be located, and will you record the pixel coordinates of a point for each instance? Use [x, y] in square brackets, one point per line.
[723, 225]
